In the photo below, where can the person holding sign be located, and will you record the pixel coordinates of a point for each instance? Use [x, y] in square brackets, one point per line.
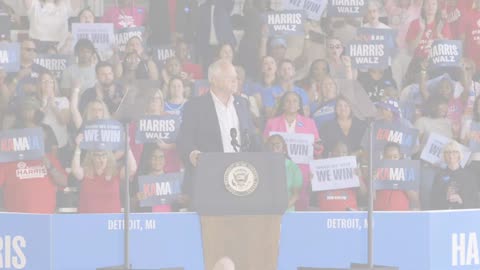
[395, 200]
[454, 187]
[56, 111]
[290, 119]
[100, 179]
[30, 186]
[424, 30]
[340, 199]
[324, 110]
[82, 73]
[277, 144]
[435, 121]
[340, 65]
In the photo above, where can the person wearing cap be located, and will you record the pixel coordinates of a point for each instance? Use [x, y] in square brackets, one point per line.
[375, 82]
[30, 186]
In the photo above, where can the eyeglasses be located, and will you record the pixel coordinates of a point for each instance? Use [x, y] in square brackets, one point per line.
[338, 46]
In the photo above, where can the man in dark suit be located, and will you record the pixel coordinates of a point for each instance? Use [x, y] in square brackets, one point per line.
[216, 122]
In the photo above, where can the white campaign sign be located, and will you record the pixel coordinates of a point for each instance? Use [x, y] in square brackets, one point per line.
[300, 146]
[432, 152]
[334, 173]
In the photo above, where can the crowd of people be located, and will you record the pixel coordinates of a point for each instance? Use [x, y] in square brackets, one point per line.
[259, 82]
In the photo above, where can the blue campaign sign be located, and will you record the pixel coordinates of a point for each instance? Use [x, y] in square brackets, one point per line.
[54, 63]
[446, 53]
[162, 53]
[385, 133]
[123, 35]
[21, 144]
[387, 36]
[151, 129]
[156, 241]
[397, 174]
[285, 22]
[160, 189]
[347, 8]
[103, 135]
[369, 54]
[25, 241]
[10, 56]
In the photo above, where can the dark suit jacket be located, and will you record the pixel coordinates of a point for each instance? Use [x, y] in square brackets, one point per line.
[200, 130]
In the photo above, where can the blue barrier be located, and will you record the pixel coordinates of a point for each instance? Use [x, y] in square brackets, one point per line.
[439, 240]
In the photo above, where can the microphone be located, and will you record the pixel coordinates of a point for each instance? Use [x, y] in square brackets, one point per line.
[234, 142]
[246, 142]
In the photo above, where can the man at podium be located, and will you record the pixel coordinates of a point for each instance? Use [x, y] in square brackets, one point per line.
[218, 121]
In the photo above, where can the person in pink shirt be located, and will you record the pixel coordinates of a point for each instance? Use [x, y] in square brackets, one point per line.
[125, 14]
[400, 14]
[290, 119]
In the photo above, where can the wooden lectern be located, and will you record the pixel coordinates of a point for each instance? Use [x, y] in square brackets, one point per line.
[240, 198]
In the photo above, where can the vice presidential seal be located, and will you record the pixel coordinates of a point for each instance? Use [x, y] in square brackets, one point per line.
[241, 178]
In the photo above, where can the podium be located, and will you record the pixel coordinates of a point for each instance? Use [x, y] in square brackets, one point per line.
[240, 198]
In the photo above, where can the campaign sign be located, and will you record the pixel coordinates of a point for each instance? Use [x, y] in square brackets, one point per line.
[21, 144]
[162, 53]
[100, 34]
[334, 173]
[103, 135]
[397, 174]
[313, 9]
[123, 35]
[432, 152]
[10, 56]
[285, 22]
[54, 63]
[300, 146]
[151, 129]
[368, 54]
[200, 87]
[446, 53]
[474, 143]
[347, 8]
[160, 189]
[387, 36]
[387, 133]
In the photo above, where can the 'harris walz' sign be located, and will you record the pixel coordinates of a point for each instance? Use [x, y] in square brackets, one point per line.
[371, 54]
[347, 8]
[10, 57]
[386, 133]
[21, 144]
[54, 63]
[387, 36]
[161, 189]
[285, 22]
[104, 135]
[397, 174]
[446, 53]
[150, 129]
[123, 35]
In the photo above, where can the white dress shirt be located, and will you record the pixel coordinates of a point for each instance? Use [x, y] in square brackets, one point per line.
[227, 119]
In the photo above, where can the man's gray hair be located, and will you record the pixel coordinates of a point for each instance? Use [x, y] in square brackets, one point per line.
[215, 69]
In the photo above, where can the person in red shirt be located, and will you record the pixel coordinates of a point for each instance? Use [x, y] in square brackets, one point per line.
[30, 186]
[125, 14]
[100, 180]
[340, 199]
[395, 200]
[470, 33]
[424, 30]
[182, 52]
